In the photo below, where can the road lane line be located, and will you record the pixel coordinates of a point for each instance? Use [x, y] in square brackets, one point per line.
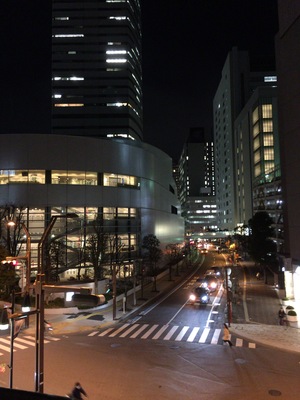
[160, 332]
[182, 333]
[106, 332]
[132, 328]
[216, 336]
[204, 335]
[142, 328]
[148, 333]
[193, 334]
[119, 330]
[171, 332]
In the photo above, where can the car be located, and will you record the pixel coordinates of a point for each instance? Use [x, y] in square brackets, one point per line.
[216, 272]
[203, 251]
[211, 283]
[199, 295]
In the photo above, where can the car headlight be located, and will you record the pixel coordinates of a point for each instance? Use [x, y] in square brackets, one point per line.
[204, 298]
[213, 285]
[192, 297]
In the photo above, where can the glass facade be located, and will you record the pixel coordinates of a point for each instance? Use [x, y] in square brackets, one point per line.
[61, 177]
[120, 225]
[96, 68]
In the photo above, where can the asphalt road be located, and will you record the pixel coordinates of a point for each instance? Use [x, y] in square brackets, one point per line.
[128, 367]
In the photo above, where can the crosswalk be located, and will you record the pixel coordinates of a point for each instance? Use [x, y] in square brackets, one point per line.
[175, 333]
[21, 343]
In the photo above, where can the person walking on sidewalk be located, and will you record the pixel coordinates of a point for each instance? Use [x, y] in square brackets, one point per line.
[77, 391]
[281, 316]
[226, 335]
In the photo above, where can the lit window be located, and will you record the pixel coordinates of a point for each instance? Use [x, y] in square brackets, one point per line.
[118, 18]
[269, 167]
[255, 116]
[116, 60]
[69, 105]
[73, 177]
[269, 154]
[116, 51]
[256, 129]
[270, 79]
[22, 176]
[268, 126]
[267, 110]
[257, 157]
[268, 140]
[256, 143]
[69, 35]
[120, 180]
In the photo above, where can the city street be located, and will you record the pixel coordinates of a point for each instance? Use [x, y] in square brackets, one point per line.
[161, 352]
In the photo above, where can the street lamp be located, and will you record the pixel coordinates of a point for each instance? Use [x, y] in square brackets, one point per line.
[39, 301]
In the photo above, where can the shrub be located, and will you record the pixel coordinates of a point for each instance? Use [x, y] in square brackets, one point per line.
[289, 307]
[292, 313]
[56, 303]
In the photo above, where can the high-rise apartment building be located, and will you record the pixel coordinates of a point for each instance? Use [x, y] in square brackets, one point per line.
[96, 68]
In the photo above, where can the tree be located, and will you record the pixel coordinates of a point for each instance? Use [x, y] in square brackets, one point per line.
[8, 280]
[11, 236]
[260, 244]
[174, 256]
[153, 254]
[97, 249]
[57, 260]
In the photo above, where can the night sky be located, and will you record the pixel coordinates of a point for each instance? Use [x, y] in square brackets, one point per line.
[185, 44]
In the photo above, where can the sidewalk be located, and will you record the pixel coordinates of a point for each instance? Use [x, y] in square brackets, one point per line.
[74, 320]
[255, 316]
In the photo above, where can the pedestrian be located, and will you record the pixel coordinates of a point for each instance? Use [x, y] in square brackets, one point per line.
[226, 335]
[77, 392]
[281, 316]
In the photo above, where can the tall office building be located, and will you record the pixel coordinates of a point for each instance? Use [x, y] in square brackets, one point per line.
[288, 65]
[236, 86]
[197, 183]
[124, 186]
[96, 68]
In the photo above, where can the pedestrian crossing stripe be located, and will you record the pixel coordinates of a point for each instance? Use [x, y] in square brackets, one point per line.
[170, 332]
[21, 343]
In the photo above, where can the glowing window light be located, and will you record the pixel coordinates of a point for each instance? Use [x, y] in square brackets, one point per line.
[68, 35]
[116, 51]
[118, 18]
[73, 78]
[69, 105]
[116, 60]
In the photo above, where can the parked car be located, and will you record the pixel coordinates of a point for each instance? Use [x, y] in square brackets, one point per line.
[199, 295]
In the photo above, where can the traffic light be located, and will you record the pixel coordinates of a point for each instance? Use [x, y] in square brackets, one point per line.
[91, 300]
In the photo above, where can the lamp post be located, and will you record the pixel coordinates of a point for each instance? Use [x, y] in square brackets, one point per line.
[39, 299]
